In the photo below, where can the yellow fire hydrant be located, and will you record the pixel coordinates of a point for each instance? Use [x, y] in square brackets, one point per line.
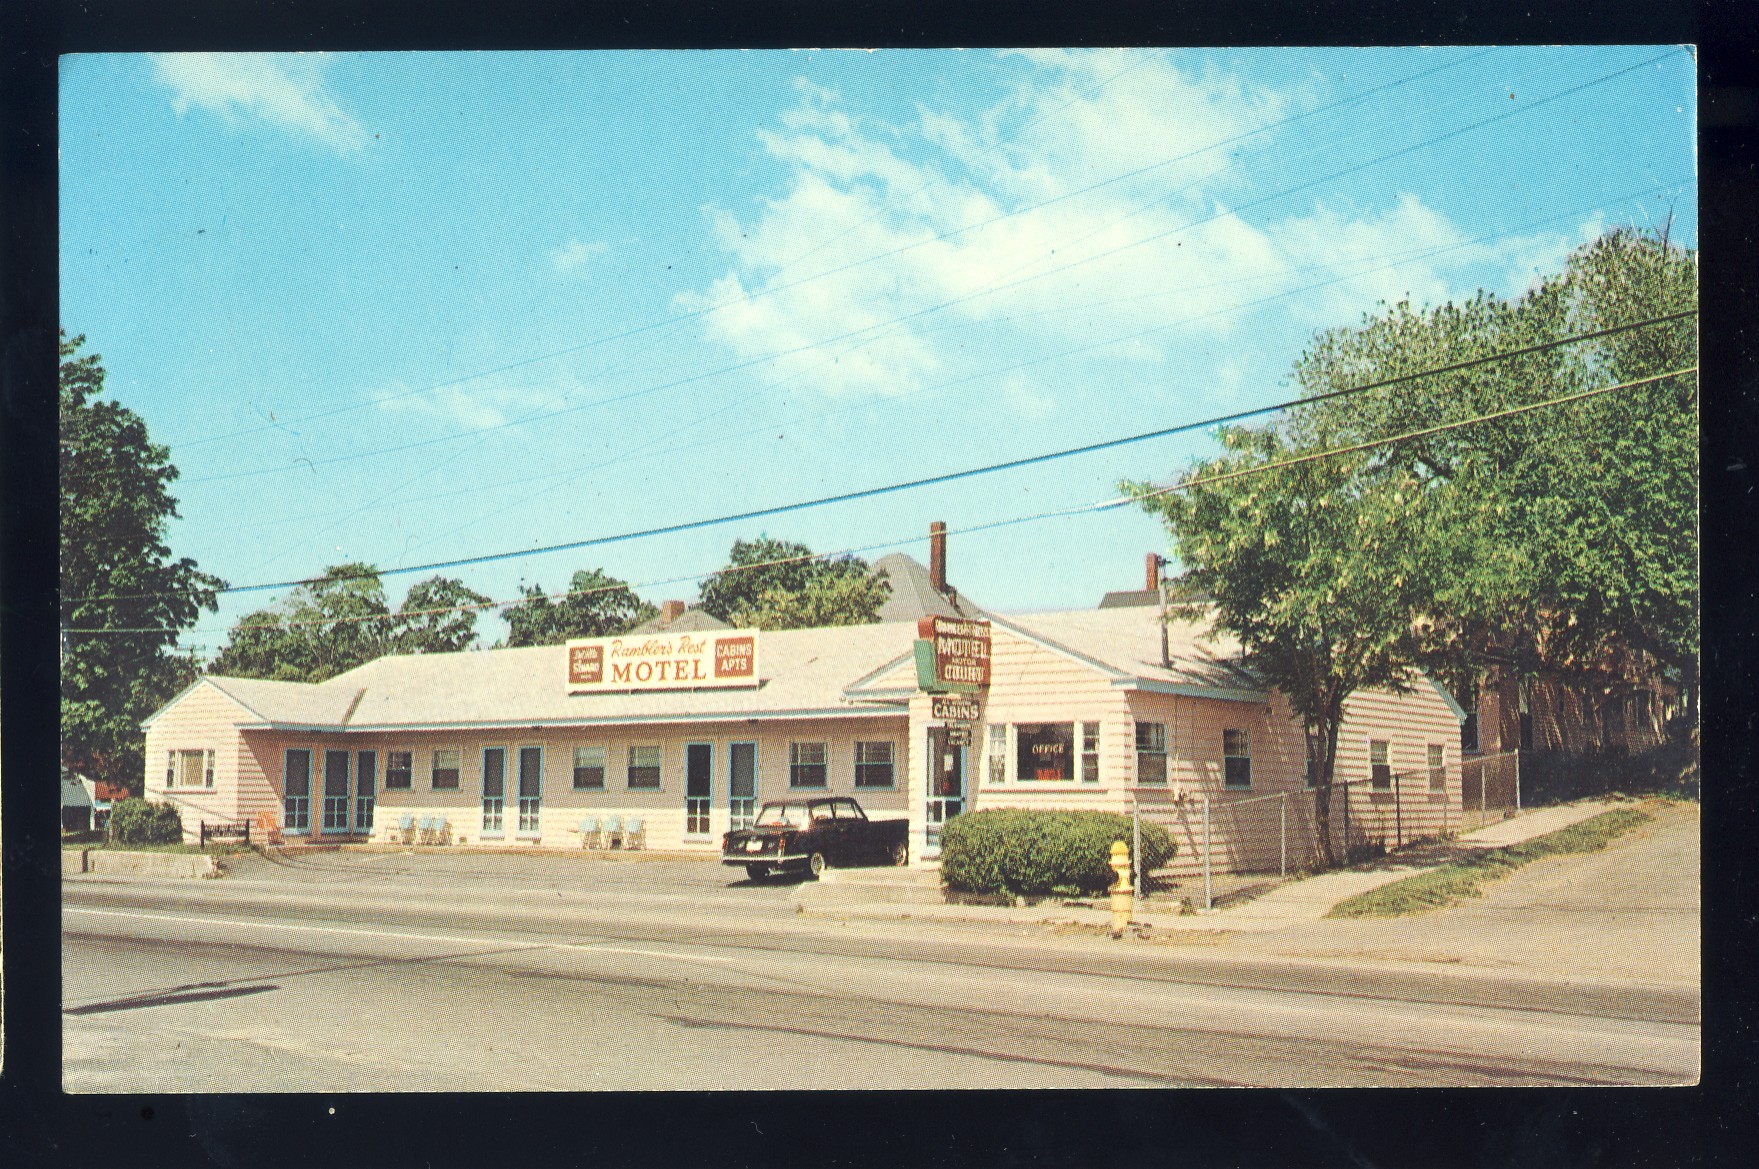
[1123, 894]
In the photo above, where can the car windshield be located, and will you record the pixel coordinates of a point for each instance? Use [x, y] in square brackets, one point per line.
[782, 816]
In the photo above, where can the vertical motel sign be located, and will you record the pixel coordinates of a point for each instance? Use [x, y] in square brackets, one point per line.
[952, 655]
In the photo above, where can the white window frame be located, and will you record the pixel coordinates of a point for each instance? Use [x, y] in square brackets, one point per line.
[997, 753]
[604, 766]
[1088, 769]
[457, 785]
[1227, 779]
[658, 765]
[303, 828]
[1150, 752]
[385, 783]
[498, 814]
[795, 765]
[1391, 778]
[890, 763]
[534, 816]
[1438, 771]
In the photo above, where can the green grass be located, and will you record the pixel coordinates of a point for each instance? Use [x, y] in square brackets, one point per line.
[1460, 879]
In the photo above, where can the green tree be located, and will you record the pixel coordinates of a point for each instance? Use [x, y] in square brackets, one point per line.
[123, 598]
[1316, 568]
[438, 616]
[595, 605]
[1584, 516]
[831, 599]
[792, 587]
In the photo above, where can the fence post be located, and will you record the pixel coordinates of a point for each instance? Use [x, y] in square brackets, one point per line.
[1346, 823]
[1283, 835]
[1399, 809]
[1517, 779]
[1141, 877]
[202, 830]
[247, 834]
[1208, 898]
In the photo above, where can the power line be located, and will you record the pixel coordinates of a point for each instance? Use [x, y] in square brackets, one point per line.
[772, 289]
[1102, 505]
[952, 476]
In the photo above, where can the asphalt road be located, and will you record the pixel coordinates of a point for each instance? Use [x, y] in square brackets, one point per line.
[393, 972]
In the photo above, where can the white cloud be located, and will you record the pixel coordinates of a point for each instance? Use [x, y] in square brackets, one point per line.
[574, 254]
[476, 406]
[280, 89]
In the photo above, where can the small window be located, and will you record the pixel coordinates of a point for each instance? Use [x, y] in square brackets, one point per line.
[1380, 767]
[399, 768]
[998, 753]
[848, 810]
[170, 769]
[189, 768]
[806, 765]
[873, 764]
[1089, 752]
[589, 769]
[1236, 758]
[1438, 772]
[444, 774]
[208, 772]
[644, 767]
[1642, 710]
[1151, 752]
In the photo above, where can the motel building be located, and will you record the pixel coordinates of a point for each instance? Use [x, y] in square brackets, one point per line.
[687, 733]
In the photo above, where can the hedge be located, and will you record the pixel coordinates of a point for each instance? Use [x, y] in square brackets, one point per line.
[1022, 851]
[134, 821]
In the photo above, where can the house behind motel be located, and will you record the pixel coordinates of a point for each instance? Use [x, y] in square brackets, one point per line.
[515, 748]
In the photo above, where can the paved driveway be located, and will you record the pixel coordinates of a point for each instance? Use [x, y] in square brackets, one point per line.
[1630, 911]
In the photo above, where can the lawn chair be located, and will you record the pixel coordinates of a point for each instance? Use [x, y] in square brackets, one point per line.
[589, 832]
[406, 828]
[613, 831]
[634, 833]
[442, 830]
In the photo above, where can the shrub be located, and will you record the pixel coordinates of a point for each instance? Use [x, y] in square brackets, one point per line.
[1023, 851]
[135, 821]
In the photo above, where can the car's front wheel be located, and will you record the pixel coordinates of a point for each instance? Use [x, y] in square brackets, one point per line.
[757, 872]
[815, 864]
[899, 854]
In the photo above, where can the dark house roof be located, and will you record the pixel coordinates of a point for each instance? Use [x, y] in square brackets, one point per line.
[690, 621]
[912, 594]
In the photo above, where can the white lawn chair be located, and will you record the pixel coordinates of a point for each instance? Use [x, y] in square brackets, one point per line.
[613, 831]
[634, 833]
[589, 832]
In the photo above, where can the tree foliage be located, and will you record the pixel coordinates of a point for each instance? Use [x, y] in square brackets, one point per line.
[342, 620]
[116, 574]
[792, 588]
[1568, 531]
[595, 605]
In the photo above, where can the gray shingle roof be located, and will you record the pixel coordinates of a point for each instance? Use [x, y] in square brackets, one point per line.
[801, 671]
[1126, 642]
[912, 595]
[690, 621]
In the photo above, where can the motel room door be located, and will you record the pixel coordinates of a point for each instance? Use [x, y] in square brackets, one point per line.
[699, 787]
[946, 783]
[741, 784]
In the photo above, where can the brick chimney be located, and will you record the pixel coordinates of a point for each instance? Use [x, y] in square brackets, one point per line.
[670, 611]
[937, 557]
[1154, 563]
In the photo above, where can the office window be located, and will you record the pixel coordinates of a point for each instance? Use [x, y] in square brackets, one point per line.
[1044, 751]
[1438, 772]
[444, 773]
[589, 768]
[1151, 752]
[1089, 752]
[399, 768]
[806, 765]
[873, 764]
[644, 767]
[998, 753]
[1380, 766]
[1236, 758]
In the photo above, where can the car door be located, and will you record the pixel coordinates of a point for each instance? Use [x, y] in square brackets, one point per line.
[852, 832]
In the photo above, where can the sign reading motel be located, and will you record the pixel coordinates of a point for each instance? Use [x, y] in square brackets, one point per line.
[961, 649]
[662, 661]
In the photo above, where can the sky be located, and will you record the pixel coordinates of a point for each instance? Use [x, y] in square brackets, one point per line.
[405, 308]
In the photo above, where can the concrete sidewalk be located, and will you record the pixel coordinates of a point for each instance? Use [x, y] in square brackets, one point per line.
[1295, 903]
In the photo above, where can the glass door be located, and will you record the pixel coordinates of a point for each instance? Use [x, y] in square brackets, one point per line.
[494, 789]
[741, 785]
[296, 790]
[946, 783]
[366, 780]
[531, 789]
[335, 791]
[699, 770]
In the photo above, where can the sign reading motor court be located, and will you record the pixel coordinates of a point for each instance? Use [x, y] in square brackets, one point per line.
[961, 649]
[662, 661]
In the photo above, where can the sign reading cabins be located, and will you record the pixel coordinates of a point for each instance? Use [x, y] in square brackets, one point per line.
[662, 661]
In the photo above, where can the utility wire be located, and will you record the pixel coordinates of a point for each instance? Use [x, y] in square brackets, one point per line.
[770, 290]
[1101, 505]
[952, 476]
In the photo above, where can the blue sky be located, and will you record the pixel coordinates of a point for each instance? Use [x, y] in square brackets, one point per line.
[410, 307]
